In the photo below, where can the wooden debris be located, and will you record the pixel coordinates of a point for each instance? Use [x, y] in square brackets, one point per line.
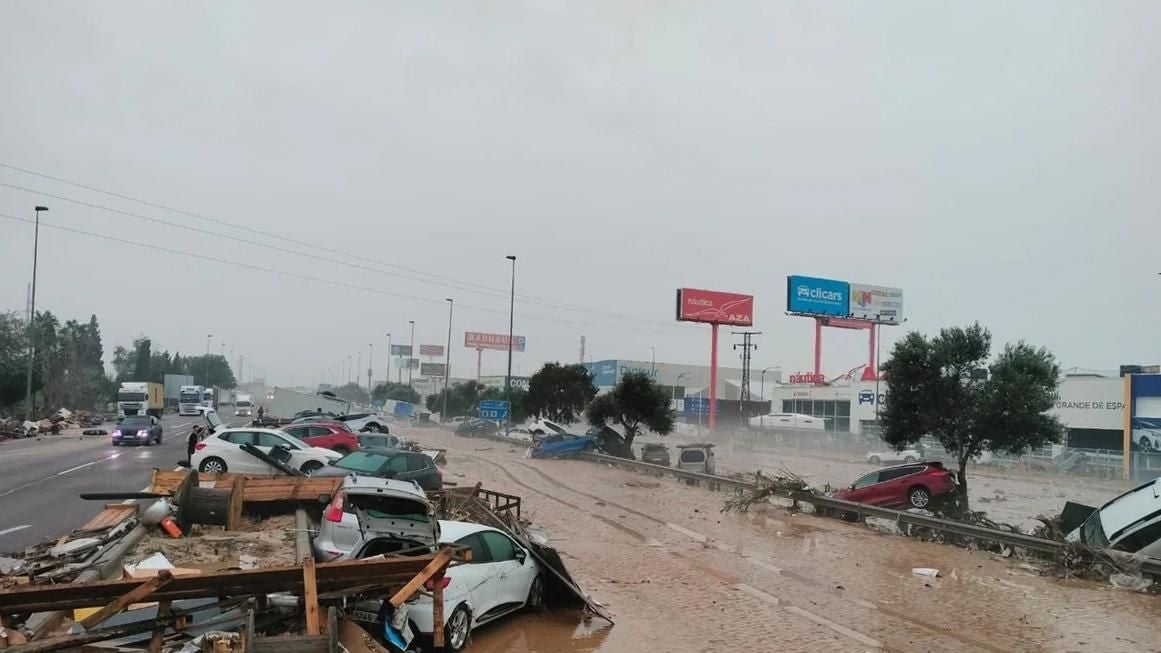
[127, 599]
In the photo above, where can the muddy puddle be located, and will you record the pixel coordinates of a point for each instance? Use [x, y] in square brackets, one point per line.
[552, 632]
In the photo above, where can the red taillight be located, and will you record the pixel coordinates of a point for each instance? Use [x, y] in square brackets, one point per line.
[443, 583]
[199, 446]
[334, 512]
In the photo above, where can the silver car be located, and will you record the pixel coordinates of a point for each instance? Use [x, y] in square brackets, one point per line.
[370, 516]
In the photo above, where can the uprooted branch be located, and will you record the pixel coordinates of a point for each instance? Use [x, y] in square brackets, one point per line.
[765, 486]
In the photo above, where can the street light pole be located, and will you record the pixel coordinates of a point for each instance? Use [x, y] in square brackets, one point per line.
[32, 317]
[350, 368]
[762, 391]
[388, 358]
[411, 353]
[653, 361]
[511, 321]
[675, 384]
[209, 337]
[370, 367]
[447, 361]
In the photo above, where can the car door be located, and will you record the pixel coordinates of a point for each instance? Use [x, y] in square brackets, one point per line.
[421, 470]
[863, 489]
[238, 460]
[300, 431]
[480, 579]
[892, 486]
[514, 568]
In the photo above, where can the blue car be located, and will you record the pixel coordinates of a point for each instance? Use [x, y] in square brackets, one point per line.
[563, 444]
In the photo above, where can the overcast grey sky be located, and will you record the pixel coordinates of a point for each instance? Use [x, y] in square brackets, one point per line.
[997, 160]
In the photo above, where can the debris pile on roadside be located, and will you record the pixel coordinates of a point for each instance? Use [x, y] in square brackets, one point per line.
[54, 424]
[223, 564]
[765, 487]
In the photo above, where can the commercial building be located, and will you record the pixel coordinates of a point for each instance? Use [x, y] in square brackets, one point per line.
[1091, 407]
[682, 380]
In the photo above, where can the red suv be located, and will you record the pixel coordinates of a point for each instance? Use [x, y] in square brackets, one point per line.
[328, 435]
[911, 486]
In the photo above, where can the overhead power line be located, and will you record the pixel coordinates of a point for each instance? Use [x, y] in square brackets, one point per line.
[341, 284]
[431, 278]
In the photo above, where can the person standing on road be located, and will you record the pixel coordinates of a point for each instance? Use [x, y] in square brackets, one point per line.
[191, 444]
[260, 413]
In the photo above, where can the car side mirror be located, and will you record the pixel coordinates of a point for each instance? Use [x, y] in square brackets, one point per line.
[521, 555]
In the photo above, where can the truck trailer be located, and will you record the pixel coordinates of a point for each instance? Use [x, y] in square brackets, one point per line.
[287, 403]
[140, 398]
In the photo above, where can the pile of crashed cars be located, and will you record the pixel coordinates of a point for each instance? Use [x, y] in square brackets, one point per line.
[371, 506]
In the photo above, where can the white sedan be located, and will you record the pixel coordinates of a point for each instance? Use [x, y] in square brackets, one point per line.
[501, 579]
[222, 452]
[892, 456]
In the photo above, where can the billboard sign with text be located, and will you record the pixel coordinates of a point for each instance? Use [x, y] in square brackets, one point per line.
[498, 341]
[815, 296]
[876, 303]
[400, 350]
[713, 307]
[431, 350]
[432, 369]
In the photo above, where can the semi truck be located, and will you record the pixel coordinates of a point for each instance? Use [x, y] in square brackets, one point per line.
[140, 398]
[189, 399]
[210, 398]
[243, 406]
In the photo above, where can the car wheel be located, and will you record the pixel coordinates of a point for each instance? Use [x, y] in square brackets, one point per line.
[919, 497]
[213, 466]
[373, 428]
[535, 598]
[459, 626]
[1146, 444]
[310, 467]
[909, 459]
[158, 438]
[875, 460]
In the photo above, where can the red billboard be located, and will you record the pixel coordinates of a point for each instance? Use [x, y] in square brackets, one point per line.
[431, 350]
[696, 305]
[492, 341]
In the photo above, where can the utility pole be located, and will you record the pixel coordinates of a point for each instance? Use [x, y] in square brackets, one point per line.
[209, 337]
[32, 316]
[388, 377]
[447, 361]
[511, 320]
[582, 352]
[746, 347]
[370, 367]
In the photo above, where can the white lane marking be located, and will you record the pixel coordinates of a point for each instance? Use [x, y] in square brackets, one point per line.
[838, 628]
[14, 529]
[693, 535]
[73, 469]
[182, 426]
[759, 594]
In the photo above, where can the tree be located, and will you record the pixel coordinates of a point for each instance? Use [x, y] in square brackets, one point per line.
[395, 392]
[560, 392]
[143, 347]
[637, 401]
[352, 392]
[940, 387]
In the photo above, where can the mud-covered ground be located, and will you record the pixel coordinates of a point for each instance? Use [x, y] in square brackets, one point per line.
[681, 576]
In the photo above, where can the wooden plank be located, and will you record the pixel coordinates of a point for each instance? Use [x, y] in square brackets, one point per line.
[289, 644]
[129, 598]
[436, 566]
[332, 630]
[310, 596]
[110, 516]
[155, 641]
[385, 573]
[234, 517]
[437, 634]
[357, 640]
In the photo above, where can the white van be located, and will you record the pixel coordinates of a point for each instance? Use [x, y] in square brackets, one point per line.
[775, 421]
[1129, 523]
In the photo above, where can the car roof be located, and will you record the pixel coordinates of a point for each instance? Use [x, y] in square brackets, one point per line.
[247, 429]
[451, 531]
[385, 451]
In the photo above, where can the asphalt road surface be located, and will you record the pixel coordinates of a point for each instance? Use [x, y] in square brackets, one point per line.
[41, 480]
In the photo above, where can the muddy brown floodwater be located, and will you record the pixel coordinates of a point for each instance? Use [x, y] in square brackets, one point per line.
[679, 575]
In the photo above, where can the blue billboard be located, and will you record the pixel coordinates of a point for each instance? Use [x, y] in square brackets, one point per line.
[814, 296]
[696, 406]
[603, 373]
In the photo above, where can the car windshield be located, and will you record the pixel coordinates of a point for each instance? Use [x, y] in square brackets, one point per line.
[131, 396]
[362, 461]
[1092, 532]
[190, 397]
[692, 456]
[135, 423]
[243, 404]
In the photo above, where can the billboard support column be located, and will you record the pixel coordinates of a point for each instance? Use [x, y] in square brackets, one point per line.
[871, 371]
[817, 346]
[713, 407]
[479, 362]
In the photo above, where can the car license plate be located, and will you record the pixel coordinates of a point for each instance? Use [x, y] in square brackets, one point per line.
[365, 616]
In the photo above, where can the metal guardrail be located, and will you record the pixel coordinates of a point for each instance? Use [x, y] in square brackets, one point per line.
[1008, 538]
